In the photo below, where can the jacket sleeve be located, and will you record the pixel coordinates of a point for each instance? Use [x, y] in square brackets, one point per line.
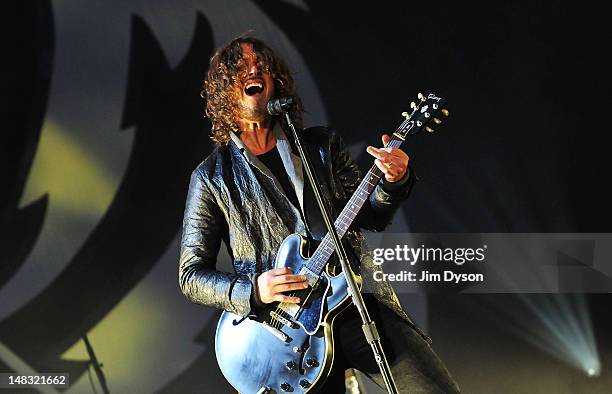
[203, 229]
[377, 212]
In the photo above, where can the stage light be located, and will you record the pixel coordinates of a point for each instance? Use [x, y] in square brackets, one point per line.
[593, 370]
[557, 324]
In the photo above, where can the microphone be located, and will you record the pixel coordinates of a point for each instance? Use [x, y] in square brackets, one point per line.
[280, 105]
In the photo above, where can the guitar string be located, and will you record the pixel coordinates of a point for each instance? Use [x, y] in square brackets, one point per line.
[325, 244]
[406, 126]
[375, 172]
[322, 246]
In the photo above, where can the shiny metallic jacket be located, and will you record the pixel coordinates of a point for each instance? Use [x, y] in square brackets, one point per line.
[233, 197]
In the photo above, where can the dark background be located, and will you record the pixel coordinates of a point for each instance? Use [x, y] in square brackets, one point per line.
[524, 150]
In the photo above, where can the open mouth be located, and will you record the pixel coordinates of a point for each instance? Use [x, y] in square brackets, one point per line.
[253, 87]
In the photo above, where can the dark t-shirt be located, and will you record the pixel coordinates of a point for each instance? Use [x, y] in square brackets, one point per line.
[273, 161]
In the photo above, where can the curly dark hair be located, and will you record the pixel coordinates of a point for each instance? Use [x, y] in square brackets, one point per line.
[221, 105]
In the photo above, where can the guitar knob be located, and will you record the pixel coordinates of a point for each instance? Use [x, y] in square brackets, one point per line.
[429, 129]
[290, 365]
[304, 383]
[311, 362]
[437, 121]
[285, 386]
[445, 112]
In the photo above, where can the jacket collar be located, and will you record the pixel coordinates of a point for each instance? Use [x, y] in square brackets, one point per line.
[291, 161]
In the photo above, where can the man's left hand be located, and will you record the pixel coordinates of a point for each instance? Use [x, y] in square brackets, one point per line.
[393, 162]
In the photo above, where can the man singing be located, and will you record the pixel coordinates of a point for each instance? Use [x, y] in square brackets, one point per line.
[251, 192]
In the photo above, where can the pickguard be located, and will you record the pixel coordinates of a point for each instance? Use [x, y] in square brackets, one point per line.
[312, 312]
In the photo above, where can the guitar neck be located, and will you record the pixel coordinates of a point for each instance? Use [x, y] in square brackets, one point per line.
[423, 113]
[347, 216]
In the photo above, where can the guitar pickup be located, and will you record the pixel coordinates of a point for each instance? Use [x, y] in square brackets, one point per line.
[312, 277]
[283, 320]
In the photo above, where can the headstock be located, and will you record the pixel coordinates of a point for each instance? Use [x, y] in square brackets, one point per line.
[428, 110]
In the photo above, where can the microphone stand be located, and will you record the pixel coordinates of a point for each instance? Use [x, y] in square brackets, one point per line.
[368, 325]
[96, 365]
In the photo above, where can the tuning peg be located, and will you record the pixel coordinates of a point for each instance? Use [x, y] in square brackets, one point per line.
[405, 114]
[437, 121]
[420, 96]
[412, 105]
[429, 129]
[445, 112]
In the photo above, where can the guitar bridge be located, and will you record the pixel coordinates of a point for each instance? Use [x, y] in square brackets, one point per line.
[277, 333]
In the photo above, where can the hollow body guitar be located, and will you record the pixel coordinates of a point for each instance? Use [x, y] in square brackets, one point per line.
[290, 347]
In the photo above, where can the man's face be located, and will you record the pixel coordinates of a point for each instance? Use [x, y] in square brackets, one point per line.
[253, 87]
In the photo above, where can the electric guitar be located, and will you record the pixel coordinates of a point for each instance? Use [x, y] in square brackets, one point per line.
[290, 347]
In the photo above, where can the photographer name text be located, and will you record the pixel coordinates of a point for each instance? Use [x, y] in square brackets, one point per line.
[426, 276]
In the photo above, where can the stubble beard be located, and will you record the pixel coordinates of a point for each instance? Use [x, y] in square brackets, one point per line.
[254, 113]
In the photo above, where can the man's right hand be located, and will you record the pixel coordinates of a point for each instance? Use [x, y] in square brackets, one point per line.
[271, 285]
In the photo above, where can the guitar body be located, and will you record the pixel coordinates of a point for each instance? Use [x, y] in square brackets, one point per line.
[256, 359]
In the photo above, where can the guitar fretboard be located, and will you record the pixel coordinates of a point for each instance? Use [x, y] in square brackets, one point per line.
[325, 249]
